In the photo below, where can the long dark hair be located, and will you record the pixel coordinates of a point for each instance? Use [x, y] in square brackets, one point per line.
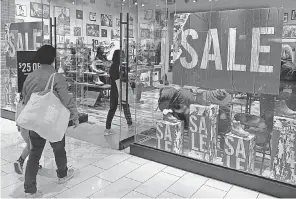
[116, 57]
[100, 54]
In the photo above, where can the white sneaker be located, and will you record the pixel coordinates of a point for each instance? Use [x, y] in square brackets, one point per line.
[98, 82]
[108, 132]
[70, 174]
[38, 194]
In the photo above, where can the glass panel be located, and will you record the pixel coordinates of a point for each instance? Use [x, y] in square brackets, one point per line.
[23, 26]
[128, 32]
[226, 100]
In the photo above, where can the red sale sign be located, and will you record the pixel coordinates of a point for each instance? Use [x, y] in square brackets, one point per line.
[229, 50]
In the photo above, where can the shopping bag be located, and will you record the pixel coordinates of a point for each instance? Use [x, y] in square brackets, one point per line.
[131, 98]
[45, 114]
[19, 107]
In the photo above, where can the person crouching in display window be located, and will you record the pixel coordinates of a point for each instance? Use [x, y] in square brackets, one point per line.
[176, 102]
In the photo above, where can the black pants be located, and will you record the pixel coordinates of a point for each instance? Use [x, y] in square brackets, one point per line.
[112, 111]
[38, 144]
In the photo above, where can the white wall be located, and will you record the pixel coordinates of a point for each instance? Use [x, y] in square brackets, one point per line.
[99, 8]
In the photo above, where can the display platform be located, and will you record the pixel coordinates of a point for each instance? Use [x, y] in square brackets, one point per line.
[239, 178]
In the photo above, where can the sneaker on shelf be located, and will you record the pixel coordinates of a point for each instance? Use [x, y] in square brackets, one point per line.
[70, 174]
[108, 132]
[18, 166]
[98, 82]
[100, 71]
[38, 194]
[238, 130]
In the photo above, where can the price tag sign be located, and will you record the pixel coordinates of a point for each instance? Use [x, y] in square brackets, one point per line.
[26, 64]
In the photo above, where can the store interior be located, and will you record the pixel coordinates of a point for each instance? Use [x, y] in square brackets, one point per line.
[221, 115]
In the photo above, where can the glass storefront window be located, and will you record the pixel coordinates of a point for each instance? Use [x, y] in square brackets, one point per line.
[228, 93]
[212, 80]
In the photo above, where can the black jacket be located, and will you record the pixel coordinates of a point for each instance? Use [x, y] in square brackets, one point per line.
[114, 75]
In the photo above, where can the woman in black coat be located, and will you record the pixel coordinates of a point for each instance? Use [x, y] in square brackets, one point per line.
[115, 75]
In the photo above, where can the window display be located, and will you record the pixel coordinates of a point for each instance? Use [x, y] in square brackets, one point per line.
[227, 100]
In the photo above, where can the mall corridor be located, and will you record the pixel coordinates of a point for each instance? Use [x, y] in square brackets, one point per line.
[102, 172]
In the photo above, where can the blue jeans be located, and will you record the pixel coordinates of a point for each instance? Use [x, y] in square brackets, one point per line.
[37, 146]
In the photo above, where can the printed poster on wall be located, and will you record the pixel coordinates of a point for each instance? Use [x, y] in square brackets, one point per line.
[26, 64]
[63, 20]
[25, 36]
[231, 49]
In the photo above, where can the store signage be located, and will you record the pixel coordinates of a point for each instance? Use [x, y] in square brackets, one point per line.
[170, 136]
[233, 53]
[25, 36]
[164, 136]
[26, 62]
[239, 153]
[203, 130]
[200, 128]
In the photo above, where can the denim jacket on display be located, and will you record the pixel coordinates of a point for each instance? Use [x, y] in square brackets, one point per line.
[36, 82]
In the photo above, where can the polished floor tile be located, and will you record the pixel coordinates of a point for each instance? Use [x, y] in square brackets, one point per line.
[102, 172]
[13, 191]
[118, 171]
[3, 162]
[111, 160]
[262, 196]
[138, 160]
[117, 189]
[83, 174]
[3, 173]
[187, 185]
[174, 171]
[157, 184]
[239, 192]
[84, 189]
[135, 194]
[218, 185]
[209, 192]
[10, 179]
[146, 171]
[168, 195]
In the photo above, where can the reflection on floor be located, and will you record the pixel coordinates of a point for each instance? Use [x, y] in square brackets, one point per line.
[105, 173]
[144, 119]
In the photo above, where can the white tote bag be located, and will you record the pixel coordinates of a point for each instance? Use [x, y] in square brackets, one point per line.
[45, 114]
[131, 98]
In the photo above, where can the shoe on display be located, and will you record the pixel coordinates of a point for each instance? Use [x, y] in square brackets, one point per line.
[38, 194]
[98, 82]
[100, 71]
[250, 120]
[238, 130]
[281, 108]
[70, 174]
[108, 132]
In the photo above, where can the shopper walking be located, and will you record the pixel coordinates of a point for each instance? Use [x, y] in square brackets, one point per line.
[36, 82]
[114, 75]
[18, 165]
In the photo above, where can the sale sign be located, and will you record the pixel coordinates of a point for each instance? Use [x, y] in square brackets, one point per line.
[26, 64]
[239, 153]
[170, 136]
[203, 130]
[229, 50]
[283, 167]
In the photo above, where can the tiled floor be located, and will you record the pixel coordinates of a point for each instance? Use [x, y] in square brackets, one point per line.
[102, 172]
